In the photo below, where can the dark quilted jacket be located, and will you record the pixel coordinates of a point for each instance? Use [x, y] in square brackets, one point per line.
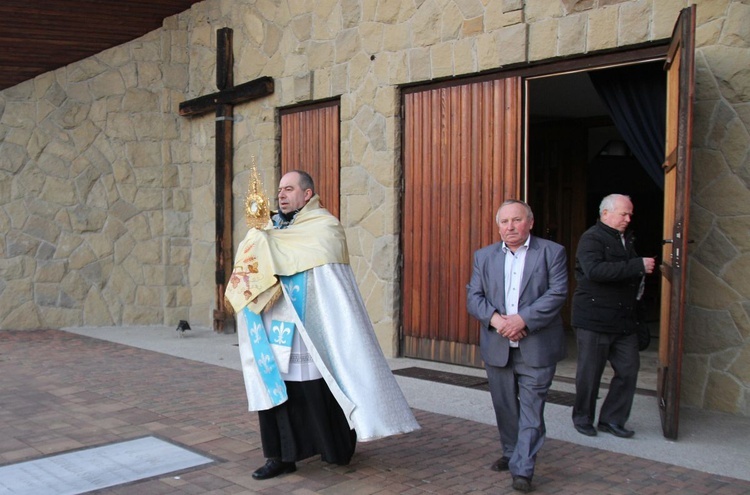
[608, 276]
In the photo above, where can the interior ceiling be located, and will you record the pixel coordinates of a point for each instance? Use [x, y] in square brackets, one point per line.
[37, 36]
[569, 96]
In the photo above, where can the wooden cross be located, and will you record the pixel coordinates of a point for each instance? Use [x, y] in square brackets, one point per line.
[222, 102]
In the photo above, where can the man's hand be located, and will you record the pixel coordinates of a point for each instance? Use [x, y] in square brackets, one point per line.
[511, 327]
[649, 264]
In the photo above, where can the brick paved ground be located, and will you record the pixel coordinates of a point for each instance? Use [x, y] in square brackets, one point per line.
[60, 392]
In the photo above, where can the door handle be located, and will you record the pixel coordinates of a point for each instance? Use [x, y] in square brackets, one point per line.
[671, 241]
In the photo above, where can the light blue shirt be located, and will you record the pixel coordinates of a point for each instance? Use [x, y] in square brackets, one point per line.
[514, 263]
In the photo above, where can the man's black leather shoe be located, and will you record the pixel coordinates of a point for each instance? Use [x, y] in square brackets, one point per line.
[587, 430]
[500, 464]
[273, 468]
[522, 484]
[616, 430]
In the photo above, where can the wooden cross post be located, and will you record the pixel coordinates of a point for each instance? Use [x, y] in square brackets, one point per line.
[222, 102]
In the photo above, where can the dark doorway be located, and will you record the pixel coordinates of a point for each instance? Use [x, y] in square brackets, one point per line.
[576, 156]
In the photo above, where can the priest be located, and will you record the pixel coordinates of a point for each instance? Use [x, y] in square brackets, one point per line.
[312, 365]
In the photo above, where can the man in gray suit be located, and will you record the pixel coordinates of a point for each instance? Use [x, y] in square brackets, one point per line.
[517, 289]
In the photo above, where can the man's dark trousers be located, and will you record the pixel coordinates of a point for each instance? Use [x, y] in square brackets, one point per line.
[622, 352]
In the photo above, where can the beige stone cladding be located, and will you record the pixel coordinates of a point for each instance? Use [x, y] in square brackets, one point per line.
[106, 194]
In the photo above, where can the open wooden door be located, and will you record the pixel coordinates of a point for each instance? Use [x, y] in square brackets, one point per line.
[677, 167]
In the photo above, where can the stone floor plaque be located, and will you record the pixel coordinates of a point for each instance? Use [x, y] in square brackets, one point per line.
[96, 468]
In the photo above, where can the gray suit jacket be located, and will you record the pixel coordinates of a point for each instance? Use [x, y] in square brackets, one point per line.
[544, 288]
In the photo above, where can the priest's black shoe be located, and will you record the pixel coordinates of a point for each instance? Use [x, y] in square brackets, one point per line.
[587, 430]
[616, 430]
[274, 468]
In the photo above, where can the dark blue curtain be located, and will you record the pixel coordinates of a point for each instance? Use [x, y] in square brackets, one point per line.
[636, 97]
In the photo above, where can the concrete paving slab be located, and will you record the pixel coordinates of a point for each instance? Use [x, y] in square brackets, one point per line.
[86, 470]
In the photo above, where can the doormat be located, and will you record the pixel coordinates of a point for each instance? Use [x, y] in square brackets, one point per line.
[96, 468]
[474, 382]
[445, 377]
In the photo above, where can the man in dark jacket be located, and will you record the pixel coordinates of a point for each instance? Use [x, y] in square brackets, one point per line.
[609, 276]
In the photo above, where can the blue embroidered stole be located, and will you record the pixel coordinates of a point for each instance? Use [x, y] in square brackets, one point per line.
[280, 344]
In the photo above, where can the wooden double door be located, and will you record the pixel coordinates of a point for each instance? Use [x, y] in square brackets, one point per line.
[466, 150]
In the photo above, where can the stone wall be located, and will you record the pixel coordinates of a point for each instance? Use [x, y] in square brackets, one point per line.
[95, 197]
[716, 368]
[107, 195]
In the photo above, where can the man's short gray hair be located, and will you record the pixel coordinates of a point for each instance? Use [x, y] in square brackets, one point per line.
[529, 213]
[608, 203]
